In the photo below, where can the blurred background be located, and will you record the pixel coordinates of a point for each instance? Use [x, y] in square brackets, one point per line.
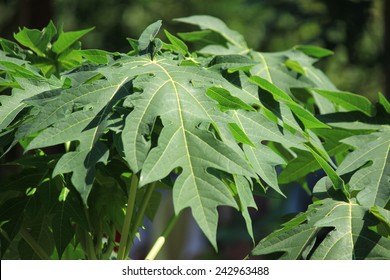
[356, 30]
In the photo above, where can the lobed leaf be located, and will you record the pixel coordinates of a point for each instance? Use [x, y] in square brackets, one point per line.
[348, 234]
[349, 101]
[370, 162]
[218, 26]
[67, 39]
[36, 40]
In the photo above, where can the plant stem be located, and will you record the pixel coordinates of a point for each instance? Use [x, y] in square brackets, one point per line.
[128, 216]
[34, 244]
[140, 215]
[90, 248]
[161, 239]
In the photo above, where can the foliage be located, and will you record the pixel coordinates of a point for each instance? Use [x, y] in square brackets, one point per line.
[213, 125]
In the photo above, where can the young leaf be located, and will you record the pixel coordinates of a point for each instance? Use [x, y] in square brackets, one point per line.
[36, 40]
[216, 25]
[306, 117]
[271, 66]
[246, 200]
[226, 100]
[179, 44]
[148, 36]
[294, 65]
[95, 56]
[303, 164]
[382, 214]
[314, 51]
[349, 101]
[67, 39]
[240, 135]
[337, 182]
[384, 102]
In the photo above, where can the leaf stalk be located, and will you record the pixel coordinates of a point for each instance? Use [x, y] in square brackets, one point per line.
[129, 213]
[156, 248]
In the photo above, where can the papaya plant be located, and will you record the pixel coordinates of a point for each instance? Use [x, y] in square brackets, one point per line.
[102, 133]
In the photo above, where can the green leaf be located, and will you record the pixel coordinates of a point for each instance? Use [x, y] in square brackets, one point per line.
[148, 35]
[85, 126]
[11, 217]
[382, 214]
[179, 44]
[345, 241]
[349, 101]
[292, 243]
[240, 135]
[173, 94]
[348, 237]
[306, 117]
[226, 100]
[303, 164]
[384, 102]
[271, 66]
[338, 183]
[12, 105]
[67, 39]
[202, 36]
[95, 56]
[246, 199]
[12, 48]
[294, 65]
[36, 40]
[370, 162]
[19, 71]
[218, 26]
[262, 158]
[62, 228]
[314, 51]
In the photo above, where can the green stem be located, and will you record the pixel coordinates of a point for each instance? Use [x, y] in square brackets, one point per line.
[128, 216]
[161, 239]
[90, 248]
[99, 239]
[140, 215]
[34, 244]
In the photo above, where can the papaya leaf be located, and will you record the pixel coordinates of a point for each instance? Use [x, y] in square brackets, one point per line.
[36, 40]
[306, 117]
[371, 161]
[234, 38]
[384, 102]
[314, 51]
[179, 44]
[67, 39]
[172, 93]
[347, 236]
[349, 101]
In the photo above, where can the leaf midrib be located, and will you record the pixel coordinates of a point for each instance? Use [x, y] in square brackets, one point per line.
[182, 129]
